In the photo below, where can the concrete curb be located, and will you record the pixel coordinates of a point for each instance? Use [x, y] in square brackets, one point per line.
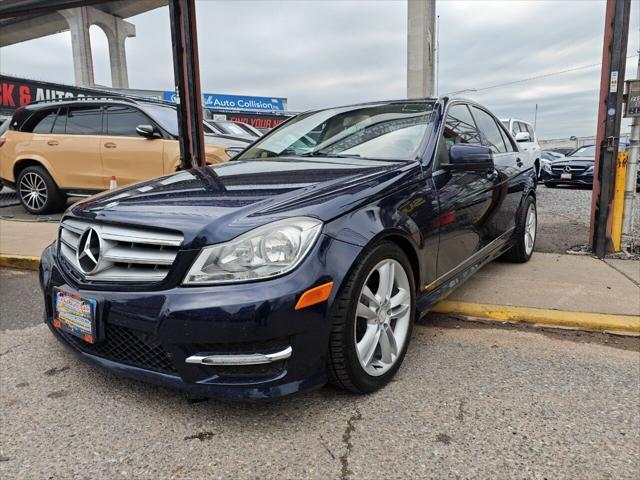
[621, 324]
[19, 261]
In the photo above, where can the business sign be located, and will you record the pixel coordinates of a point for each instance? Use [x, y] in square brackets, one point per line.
[633, 99]
[236, 102]
[16, 92]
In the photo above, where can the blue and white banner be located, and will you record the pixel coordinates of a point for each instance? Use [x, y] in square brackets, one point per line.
[236, 102]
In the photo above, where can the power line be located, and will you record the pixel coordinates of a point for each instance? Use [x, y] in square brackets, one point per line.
[560, 72]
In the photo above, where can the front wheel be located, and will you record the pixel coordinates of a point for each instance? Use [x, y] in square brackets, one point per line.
[372, 320]
[525, 233]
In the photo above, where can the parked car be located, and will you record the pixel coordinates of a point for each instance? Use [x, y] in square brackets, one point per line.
[527, 140]
[564, 151]
[574, 169]
[546, 157]
[306, 259]
[227, 127]
[74, 147]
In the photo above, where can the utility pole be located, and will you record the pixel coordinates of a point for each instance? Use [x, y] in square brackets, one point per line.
[614, 56]
[421, 27]
[630, 195]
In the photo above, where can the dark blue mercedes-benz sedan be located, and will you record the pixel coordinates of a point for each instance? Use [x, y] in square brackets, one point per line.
[306, 259]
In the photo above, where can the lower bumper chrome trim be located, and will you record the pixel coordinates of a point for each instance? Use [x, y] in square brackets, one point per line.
[241, 359]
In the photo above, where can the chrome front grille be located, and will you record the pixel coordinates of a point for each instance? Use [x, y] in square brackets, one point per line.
[572, 168]
[127, 254]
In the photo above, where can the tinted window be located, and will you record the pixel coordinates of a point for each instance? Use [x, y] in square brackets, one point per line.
[40, 122]
[84, 121]
[60, 124]
[491, 136]
[122, 121]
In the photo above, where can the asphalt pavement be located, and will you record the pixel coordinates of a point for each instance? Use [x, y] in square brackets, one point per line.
[471, 401]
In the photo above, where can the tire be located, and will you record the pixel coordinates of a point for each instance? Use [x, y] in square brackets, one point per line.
[522, 250]
[38, 193]
[346, 369]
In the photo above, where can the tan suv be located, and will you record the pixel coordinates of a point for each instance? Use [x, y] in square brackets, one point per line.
[72, 148]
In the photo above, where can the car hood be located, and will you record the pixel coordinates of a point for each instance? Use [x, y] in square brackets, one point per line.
[214, 204]
[575, 161]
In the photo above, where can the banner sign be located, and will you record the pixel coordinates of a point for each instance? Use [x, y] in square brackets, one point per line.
[236, 102]
[259, 120]
[633, 99]
[16, 92]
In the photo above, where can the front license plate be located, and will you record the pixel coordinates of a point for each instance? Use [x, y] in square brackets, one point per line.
[565, 176]
[75, 315]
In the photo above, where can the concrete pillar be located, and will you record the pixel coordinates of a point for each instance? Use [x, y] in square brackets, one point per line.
[421, 27]
[78, 20]
[117, 31]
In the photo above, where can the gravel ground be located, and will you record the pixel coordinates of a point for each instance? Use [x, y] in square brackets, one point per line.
[563, 218]
[471, 401]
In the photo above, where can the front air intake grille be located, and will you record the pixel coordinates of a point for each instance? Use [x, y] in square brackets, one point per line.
[123, 345]
[126, 254]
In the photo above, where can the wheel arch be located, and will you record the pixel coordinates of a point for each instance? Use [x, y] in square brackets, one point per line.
[32, 161]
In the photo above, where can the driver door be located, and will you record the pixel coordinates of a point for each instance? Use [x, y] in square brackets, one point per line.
[125, 154]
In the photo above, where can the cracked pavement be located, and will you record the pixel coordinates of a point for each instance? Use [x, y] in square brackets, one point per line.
[471, 401]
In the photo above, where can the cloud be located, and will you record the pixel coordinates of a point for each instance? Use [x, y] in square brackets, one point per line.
[321, 53]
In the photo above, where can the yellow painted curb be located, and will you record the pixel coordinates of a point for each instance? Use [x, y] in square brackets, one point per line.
[19, 261]
[581, 320]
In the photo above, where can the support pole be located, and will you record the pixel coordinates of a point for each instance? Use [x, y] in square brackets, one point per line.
[630, 195]
[614, 57]
[187, 76]
[79, 23]
[421, 26]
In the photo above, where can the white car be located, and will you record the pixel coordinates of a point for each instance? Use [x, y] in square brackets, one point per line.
[527, 140]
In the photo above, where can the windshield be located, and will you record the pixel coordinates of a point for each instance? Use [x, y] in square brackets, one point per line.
[587, 151]
[392, 131]
[232, 129]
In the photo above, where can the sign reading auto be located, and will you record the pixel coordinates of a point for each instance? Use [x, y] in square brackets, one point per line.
[236, 102]
[15, 92]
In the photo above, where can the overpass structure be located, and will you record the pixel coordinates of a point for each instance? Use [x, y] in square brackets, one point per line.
[108, 16]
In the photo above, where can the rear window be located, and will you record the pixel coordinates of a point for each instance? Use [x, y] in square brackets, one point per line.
[40, 122]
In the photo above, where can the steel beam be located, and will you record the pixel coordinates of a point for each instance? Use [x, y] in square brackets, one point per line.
[187, 76]
[614, 56]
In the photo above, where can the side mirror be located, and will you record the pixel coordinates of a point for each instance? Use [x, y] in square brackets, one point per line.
[148, 131]
[469, 157]
[523, 137]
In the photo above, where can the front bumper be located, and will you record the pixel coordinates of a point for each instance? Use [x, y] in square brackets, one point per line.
[149, 335]
[576, 179]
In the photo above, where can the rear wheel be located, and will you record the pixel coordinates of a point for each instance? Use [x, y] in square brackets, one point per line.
[372, 321]
[38, 192]
[526, 229]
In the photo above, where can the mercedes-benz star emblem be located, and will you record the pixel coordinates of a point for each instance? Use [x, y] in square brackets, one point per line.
[89, 251]
[567, 169]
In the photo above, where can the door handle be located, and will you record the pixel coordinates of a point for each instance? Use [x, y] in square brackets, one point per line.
[109, 145]
[53, 143]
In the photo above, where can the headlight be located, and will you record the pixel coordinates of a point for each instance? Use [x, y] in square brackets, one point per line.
[546, 167]
[589, 170]
[264, 252]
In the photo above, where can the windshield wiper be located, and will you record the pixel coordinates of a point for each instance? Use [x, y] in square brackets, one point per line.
[320, 153]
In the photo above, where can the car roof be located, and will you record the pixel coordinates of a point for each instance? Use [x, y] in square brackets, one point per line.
[114, 100]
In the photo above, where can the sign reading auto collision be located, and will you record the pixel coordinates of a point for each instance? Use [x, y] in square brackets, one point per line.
[236, 102]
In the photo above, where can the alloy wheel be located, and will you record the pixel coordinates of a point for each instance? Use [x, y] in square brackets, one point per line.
[382, 317]
[33, 191]
[530, 229]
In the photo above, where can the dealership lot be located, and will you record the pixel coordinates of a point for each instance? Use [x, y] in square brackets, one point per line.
[471, 401]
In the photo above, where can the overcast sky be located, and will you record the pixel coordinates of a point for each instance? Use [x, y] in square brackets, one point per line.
[321, 53]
